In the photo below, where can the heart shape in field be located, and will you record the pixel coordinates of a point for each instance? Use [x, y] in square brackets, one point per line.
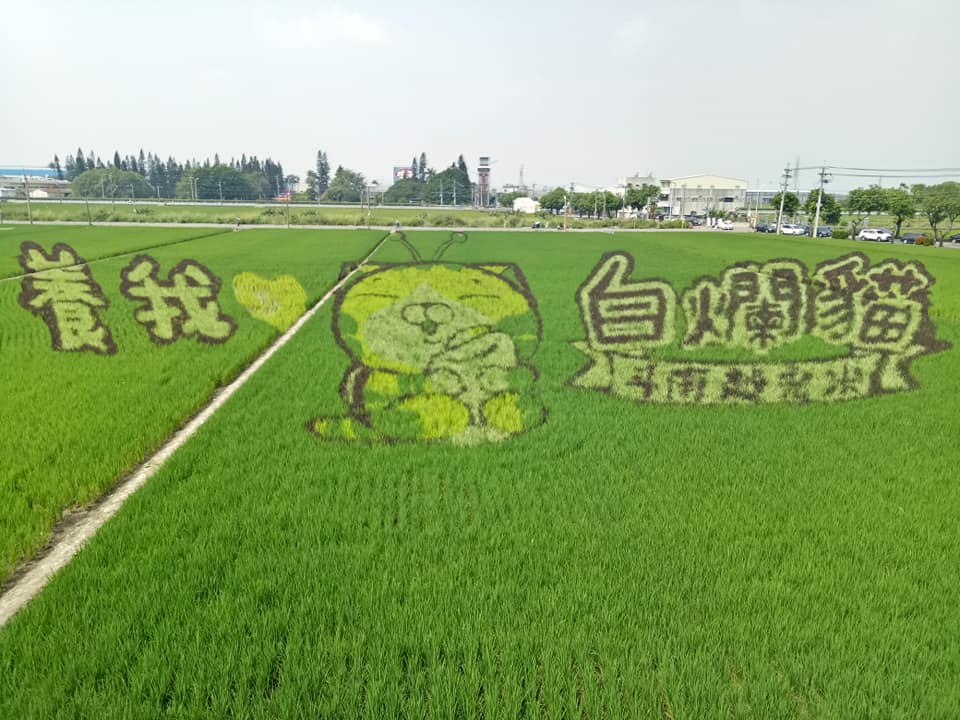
[278, 301]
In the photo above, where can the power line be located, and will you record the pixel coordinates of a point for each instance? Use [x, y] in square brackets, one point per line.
[894, 175]
[896, 170]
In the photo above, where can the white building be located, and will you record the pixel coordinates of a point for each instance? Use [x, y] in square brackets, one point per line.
[701, 194]
[40, 187]
[526, 205]
[636, 180]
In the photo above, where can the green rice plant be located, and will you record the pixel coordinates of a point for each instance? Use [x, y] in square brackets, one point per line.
[77, 418]
[92, 243]
[622, 559]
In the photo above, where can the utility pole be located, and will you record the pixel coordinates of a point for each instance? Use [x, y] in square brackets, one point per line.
[454, 193]
[823, 179]
[220, 185]
[756, 215]
[26, 191]
[441, 192]
[783, 194]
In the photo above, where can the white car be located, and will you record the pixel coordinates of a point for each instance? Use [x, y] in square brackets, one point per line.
[790, 229]
[876, 234]
[725, 225]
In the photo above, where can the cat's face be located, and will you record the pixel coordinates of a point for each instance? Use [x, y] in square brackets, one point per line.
[399, 317]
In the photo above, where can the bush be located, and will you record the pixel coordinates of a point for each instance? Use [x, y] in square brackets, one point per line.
[841, 233]
[924, 240]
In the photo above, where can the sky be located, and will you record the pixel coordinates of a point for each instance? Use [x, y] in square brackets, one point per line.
[569, 91]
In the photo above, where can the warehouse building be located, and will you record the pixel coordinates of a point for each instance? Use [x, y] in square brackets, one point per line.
[701, 194]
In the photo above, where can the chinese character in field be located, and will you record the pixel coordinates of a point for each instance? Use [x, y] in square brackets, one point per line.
[60, 288]
[753, 306]
[624, 315]
[183, 305]
[881, 308]
[740, 385]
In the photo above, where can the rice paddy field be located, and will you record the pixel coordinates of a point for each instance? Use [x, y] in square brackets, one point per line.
[276, 214]
[637, 481]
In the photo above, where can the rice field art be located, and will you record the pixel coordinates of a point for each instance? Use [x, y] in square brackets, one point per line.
[879, 314]
[580, 475]
[439, 351]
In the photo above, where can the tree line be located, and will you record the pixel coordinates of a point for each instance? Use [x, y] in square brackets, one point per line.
[426, 185]
[939, 204]
[600, 202]
[147, 175]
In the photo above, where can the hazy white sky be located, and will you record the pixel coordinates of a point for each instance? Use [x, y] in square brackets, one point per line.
[573, 91]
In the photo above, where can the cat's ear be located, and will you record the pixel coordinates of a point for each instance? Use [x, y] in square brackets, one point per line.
[510, 272]
[365, 269]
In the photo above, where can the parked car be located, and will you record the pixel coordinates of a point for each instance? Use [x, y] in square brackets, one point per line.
[724, 225]
[762, 227]
[805, 230]
[910, 238]
[694, 220]
[791, 229]
[824, 231]
[955, 238]
[875, 234]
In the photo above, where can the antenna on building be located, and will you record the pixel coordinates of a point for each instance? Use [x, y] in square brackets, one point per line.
[522, 186]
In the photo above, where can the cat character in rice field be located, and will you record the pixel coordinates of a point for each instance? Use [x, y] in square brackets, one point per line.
[440, 351]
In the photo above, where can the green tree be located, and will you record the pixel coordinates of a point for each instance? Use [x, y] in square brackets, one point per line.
[346, 186]
[830, 210]
[867, 200]
[423, 167]
[901, 205]
[610, 203]
[583, 203]
[322, 174]
[462, 165]
[640, 197]
[454, 184]
[506, 199]
[209, 181]
[55, 165]
[940, 204]
[407, 191]
[111, 183]
[312, 193]
[555, 200]
[791, 203]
